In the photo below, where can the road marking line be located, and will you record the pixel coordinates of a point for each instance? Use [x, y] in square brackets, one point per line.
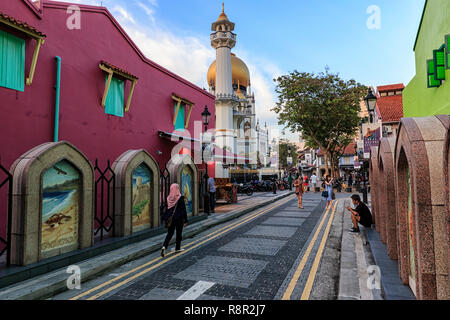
[287, 294]
[312, 274]
[172, 256]
[196, 291]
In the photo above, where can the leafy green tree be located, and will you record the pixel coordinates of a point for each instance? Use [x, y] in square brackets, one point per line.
[323, 107]
[284, 147]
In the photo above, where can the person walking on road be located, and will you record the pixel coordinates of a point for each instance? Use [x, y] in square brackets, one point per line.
[298, 184]
[329, 190]
[361, 214]
[305, 183]
[176, 217]
[212, 193]
[314, 181]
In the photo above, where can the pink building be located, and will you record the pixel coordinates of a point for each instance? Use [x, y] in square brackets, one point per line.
[140, 110]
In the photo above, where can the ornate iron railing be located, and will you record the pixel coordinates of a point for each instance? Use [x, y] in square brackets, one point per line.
[5, 244]
[104, 204]
[164, 189]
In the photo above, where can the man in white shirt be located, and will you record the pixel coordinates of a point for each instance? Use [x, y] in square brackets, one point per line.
[314, 181]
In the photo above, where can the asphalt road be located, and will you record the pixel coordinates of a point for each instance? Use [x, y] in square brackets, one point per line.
[273, 253]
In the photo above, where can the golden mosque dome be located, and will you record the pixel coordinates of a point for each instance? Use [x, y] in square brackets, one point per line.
[239, 72]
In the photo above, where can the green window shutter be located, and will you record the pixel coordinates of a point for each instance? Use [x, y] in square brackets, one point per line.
[179, 122]
[439, 63]
[432, 81]
[447, 51]
[115, 98]
[12, 62]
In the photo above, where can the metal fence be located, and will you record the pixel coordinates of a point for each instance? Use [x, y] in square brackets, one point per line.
[104, 204]
[6, 193]
[164, 189]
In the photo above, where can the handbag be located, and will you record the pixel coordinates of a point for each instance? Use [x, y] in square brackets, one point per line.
[168, 221]
[333, 196]
[325, 194]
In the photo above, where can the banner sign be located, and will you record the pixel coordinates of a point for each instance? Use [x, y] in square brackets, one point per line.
[371, 139]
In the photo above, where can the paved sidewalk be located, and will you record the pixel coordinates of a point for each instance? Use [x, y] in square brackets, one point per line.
[52, 283]
[367, 272]
[357, 278]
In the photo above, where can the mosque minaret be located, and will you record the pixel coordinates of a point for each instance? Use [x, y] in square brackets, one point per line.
[229, 80]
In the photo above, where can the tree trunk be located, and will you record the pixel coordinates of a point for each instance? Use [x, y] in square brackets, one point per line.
[326, 162]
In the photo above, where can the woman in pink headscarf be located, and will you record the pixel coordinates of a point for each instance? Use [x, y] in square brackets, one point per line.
[176, 208]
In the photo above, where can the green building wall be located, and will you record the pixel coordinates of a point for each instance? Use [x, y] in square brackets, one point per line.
[418, 99]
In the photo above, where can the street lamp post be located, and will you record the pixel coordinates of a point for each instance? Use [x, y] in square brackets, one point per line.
[370, 101]
[206, 115]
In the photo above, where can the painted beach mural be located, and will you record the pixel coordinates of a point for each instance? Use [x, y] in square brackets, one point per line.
[60, 207]
[141, 198]
[186, 188]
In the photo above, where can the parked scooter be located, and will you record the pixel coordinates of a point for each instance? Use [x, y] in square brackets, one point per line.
[245, 189]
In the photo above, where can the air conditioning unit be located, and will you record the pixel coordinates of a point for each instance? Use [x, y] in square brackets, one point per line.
[387, 129]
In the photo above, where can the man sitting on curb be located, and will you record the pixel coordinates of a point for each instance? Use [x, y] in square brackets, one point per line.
[361, 214]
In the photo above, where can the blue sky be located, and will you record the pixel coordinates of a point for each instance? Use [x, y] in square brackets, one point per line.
[276, 37]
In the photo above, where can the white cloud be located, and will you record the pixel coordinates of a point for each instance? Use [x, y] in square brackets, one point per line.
[188, 57]
[150, 12]
[262, 73]
[125, 16]
[191, 56]
[88, 2]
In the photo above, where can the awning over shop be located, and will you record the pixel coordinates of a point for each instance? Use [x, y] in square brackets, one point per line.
[219, 154]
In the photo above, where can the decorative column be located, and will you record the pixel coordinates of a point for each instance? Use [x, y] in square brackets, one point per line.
[223, 40]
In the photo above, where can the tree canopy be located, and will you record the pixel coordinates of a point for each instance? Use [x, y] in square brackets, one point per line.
[323, 107]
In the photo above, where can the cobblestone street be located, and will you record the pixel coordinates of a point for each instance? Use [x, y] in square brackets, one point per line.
[253, 257]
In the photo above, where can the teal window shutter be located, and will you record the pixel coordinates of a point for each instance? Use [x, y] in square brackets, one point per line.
[431, 80]
[439, 63]
[12, 62]
[447, 51]
[115, 99]
[179, 122]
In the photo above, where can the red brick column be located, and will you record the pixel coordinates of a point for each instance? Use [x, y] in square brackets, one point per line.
[387, 188]
[419, 142]
[446, 162]
[373, 179]
[378, 194]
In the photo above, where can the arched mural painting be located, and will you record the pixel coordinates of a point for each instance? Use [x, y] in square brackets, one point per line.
[184, 172]
[142, 187]
[137, 186]
[187, 188]
[60, 207]
[53, 203]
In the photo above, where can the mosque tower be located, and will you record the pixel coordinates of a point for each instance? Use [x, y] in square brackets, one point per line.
[223, 40]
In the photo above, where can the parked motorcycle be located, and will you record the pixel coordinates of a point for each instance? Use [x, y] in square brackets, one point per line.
[245, 189]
